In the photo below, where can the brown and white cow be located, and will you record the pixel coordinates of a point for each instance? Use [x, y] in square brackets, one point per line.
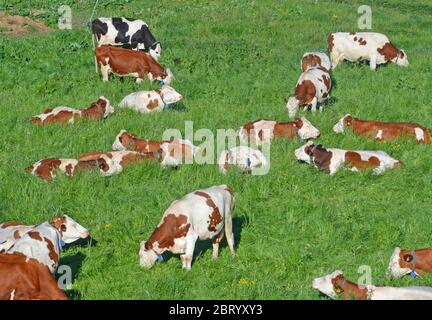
[415, 262]
[23, 278]
[312, 87]
[315, 59]
[254, 131]
[46, 168]
[357, 46]
[172, 153]
[202, 214]
[120, 159]
[12, 231]
[126, 62]
[383, 131]
[335, 285]
[330, 160]
[246, 159]
[98, 110]
[151, 101]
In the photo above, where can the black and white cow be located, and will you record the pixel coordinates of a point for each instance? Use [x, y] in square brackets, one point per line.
[122, 31]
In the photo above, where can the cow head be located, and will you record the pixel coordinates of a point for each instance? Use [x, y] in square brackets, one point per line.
[343, 123]
[169, 95]
[155, 51]
[292, 106]
[305, 129]
[401, 59]
[69, 228]
[168, 78]
[400, 264]
[326, 285]
[105, 105]
[147, 256]
[108, 167]
[122, 140]
[304, 152]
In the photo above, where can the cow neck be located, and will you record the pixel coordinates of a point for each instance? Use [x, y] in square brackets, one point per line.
[348, 288]
[59, 235]
[159, 92]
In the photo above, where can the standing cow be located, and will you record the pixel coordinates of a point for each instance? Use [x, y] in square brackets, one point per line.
[122, 31]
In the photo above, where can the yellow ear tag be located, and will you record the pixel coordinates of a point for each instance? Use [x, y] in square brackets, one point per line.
[338, 290]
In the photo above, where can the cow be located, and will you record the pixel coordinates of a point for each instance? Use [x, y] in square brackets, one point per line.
[414, 262]
[244, 158]
[202, 214]
[120, 159]
[23, 278]
[172, 153]
[150, 101]
[45, 241]
[330, 160]
[98, 110]
[254, 131]
[11, 231]
[335, 285]
[126, 62]
[46, 168]
[315, 59]
[383, 131]
[312, 87]
[119, 31]
[358, 46]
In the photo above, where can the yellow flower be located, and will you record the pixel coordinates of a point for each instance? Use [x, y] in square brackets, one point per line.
[246, 281]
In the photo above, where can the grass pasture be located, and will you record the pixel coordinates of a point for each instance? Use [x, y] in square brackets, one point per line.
[234, 61]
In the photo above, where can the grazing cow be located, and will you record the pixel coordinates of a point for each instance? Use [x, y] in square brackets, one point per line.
[255, 131]
[98, 110]
[46, 168]
[12, 231]
[45, 241]
[150, 101]
[244, 158]
[23, 278]
[122, 31]
[120, 159]
[384, 131]
[172, 153]
[125, 62]
[335, 285]
[358, 46]
[312, 87]
[315, 59]
[331, 160]
[202, 214]
[414, 262]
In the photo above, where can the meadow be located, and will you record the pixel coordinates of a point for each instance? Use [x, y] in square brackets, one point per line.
[234, 61]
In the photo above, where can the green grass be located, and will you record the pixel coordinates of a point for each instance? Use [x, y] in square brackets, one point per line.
[234, 61]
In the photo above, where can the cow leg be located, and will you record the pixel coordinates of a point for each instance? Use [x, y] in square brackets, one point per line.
[314, 104]
[104, 71]
[216, 241]
[229, 234]
[138, 80]
[372, 63]
[334, 60]
[186, 258]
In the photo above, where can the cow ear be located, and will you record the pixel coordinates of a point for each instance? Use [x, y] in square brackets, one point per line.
[63, 227]
[408, 257]
[348, 121]
[148, 245]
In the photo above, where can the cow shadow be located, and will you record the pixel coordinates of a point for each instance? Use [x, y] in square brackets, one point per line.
[202, 246]
[74, 263]
[82, 243]
[178, 106]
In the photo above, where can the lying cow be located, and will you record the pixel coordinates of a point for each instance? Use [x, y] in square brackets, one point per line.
[384, 131]
[150, 101]
[46, 168]
[312, 87]
[172, 153]
[414, 262]
[357, 46]
[202, 214]
[120, 159]
[23, 278]
[98, 110]
[242, 157]
[315, 59]
[12, 231]
[122, 31]
[335, 285]
[45, 241]
[255, 131]
[125, 62]
[331, 160]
